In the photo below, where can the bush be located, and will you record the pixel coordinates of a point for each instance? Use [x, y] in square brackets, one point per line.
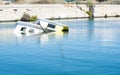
[90, 14]
[52, 18]
[105, 16]
[33, 18]
[117, 15]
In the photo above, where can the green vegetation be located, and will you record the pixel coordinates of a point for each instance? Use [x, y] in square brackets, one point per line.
[89, 13]
[62, 1]
[117, 15]
[105, 16]
[101, 0]
[90, 5]
[52, 18]
[39, 1]
[33, 18]
[19, 1]
[65, 28]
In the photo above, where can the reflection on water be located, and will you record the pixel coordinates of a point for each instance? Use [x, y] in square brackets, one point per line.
[90, 29]
[107, 32]
[44, 38]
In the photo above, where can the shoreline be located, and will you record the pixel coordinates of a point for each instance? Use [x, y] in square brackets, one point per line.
[66, 18]
[13, 12]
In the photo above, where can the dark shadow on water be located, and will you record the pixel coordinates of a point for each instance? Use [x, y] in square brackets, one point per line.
[90, 29]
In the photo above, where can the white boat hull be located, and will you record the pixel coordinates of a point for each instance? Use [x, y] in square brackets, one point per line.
[38, 26]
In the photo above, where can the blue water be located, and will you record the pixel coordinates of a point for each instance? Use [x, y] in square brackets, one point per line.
[91, 47]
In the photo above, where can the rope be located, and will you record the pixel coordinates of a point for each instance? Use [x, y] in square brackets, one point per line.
[41, 26]
[44, 30]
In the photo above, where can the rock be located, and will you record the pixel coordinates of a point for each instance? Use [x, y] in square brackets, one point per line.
[25, 17]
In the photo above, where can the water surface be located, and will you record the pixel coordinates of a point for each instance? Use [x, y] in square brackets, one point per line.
[91, 47]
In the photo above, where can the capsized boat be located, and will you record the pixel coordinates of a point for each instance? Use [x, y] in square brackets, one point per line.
[39, 26]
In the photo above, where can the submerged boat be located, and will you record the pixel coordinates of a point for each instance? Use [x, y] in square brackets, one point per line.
[39, 26]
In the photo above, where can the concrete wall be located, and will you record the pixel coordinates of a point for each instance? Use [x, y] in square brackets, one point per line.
[109, 10]
[13, 12]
